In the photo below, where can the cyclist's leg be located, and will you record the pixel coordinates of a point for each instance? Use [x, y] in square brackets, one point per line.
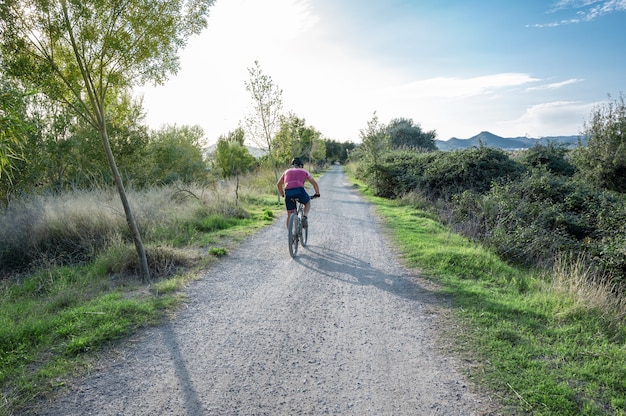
[289, 204]
[289, 212]
[304, 198]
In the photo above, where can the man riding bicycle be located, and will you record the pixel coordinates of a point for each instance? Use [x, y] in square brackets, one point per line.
[291, 186]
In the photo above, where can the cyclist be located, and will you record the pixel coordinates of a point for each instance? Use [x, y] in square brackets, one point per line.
[291, 185]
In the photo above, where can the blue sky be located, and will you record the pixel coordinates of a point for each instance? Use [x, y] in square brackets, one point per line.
[532, 68]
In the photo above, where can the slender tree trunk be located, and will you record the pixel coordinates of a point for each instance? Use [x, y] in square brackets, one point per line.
[130, 218]
[237, 189]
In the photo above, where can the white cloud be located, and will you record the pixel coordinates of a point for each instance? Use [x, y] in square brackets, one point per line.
[587, 10]
[549, 119]
[334, 86]
[451, 88]
[555, 85]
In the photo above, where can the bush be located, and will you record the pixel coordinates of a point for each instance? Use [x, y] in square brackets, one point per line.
[551, 157]
[603, 161]
[400, 172]
[474, 169]
[541, 216]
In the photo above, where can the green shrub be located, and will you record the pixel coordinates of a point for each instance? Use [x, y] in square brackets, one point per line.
[603, 161]
[533, 220]
[474, 169]
[442, 174]
[551, 157]
[218, 251]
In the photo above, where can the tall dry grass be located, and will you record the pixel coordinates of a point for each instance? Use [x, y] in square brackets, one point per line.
[74, 226]
[588, 291]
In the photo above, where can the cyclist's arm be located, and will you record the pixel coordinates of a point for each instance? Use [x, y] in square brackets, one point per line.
[280, 185]
[315, 186]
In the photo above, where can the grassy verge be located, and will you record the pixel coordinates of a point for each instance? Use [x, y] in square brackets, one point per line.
[539, 344]
[55, 321]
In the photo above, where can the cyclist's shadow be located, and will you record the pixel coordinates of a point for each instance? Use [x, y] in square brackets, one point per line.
[350, 269]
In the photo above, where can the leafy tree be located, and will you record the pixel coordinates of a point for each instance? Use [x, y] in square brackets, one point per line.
[83, 52]
[288, 141]
[267, 100]
[338, 152]
[404, 133]
[176, 155]
[295, 138]
[232, 158]
[374, 144]
[318, 150]
[603, 160]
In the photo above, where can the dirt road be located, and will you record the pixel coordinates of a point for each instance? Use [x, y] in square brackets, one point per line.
[342, 329]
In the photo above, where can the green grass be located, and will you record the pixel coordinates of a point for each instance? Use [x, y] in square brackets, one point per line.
[55, 321]
[536, 348]
[49, 320]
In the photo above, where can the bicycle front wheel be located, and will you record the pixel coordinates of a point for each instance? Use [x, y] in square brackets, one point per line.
[292, 235]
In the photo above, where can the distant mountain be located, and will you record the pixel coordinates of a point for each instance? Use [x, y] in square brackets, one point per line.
[513, 143]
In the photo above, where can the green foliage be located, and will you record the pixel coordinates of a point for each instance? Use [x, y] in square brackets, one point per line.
[443, 174]
[175, 155]
[552, 157]
[49, 319]
[53, 317]
[539, 348]
[268, 215]
[231, 157]
[374, 144]
[405, 134]
[42, 43]
[529, 210]
[603, 161]
[218, 251]
[264, 123]
[295, 138]
[535, 219]
[474, 169]
[338, 151]
[12, 127]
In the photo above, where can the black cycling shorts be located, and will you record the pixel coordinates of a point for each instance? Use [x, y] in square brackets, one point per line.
[298, 193]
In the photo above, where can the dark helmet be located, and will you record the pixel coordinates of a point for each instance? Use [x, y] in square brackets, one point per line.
[297, 162]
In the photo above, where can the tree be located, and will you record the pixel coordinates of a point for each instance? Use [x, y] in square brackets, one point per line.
[374, 144]
[338, 152]
[267, 101]
[295, 139]
[603, 161]
[176, 155]
[83, 52]
[404, 133]
[233, 158]
[12, 127]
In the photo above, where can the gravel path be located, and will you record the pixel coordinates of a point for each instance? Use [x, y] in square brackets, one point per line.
[342, 329]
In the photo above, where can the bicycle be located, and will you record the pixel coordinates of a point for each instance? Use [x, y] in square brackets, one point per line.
[296, 232]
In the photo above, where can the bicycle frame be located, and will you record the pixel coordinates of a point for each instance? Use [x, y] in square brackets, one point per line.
[296, 233]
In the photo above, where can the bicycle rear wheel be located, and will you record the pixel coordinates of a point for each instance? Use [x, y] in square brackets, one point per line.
[292, 235]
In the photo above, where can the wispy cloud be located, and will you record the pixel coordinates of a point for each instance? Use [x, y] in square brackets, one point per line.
[584, 11]
[446, 87]
[555, 85]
